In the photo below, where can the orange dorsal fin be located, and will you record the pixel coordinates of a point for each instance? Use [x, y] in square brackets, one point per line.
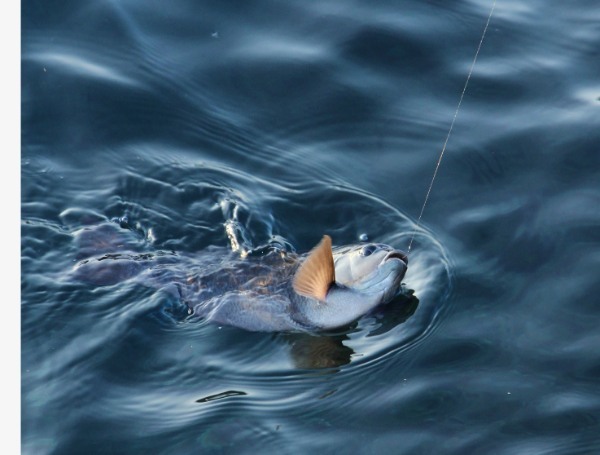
[317, 273]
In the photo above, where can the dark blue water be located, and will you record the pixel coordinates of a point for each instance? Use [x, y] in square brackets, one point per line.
[285, 121]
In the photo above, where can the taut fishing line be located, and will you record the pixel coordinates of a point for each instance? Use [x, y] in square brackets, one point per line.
[451, 126]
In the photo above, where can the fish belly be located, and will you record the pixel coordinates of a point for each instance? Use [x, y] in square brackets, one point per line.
[250, 311]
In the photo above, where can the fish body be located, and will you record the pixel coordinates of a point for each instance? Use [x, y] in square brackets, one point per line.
[272, 291]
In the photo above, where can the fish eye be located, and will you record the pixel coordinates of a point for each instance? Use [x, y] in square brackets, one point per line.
[367, 250]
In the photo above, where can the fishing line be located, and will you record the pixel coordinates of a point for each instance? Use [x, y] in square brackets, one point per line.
[451, 125]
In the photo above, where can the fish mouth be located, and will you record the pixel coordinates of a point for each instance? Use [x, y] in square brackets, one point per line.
[396, 254]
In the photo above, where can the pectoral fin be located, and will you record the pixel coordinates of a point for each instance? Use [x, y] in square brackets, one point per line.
[317, 273]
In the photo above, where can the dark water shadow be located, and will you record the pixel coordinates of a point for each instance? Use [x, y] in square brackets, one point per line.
[396, 312]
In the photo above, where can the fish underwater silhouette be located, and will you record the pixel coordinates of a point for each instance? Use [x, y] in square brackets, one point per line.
[267, 290]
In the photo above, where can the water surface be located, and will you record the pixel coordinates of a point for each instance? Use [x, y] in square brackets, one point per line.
[282, 122]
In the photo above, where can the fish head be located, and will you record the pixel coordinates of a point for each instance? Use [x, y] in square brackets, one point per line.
[347, 282]
[370, 269]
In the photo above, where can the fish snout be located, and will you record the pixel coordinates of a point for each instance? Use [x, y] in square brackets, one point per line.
[397, 254]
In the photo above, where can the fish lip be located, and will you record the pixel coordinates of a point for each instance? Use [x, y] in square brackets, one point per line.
[396, 254]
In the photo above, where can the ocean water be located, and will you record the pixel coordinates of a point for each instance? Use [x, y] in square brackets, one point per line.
[181, 122]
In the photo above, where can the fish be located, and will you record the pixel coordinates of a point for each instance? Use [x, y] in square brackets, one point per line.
[270, 290]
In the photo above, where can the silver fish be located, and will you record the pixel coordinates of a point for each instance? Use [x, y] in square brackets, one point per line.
[273, 291]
